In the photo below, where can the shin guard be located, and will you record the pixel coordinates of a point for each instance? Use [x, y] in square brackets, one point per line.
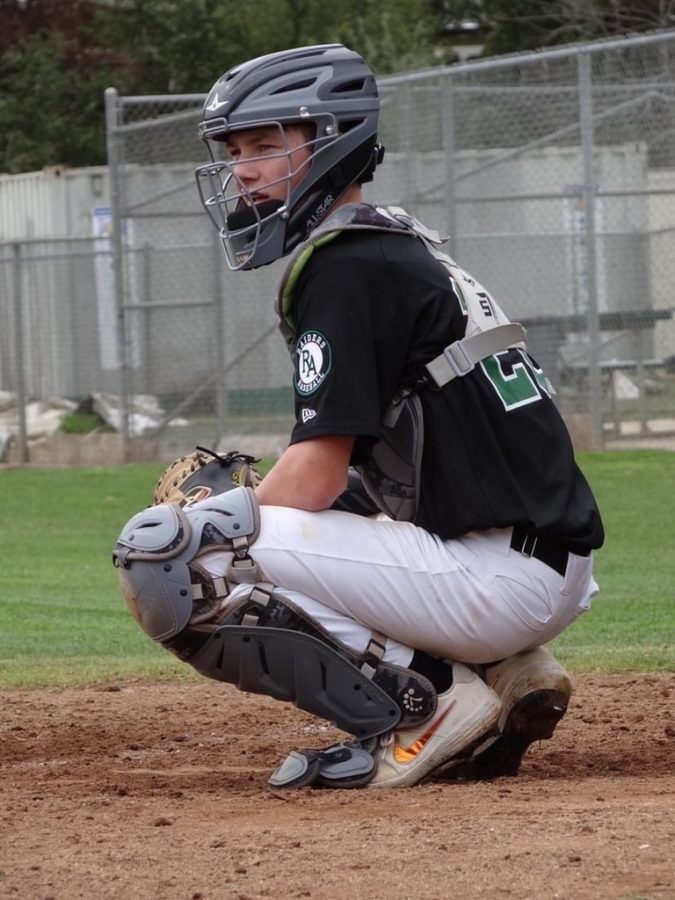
[265, 644]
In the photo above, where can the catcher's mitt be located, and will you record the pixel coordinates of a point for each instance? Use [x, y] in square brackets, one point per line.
[201, 473]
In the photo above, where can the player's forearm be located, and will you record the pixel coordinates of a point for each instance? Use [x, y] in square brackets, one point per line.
[310, 475]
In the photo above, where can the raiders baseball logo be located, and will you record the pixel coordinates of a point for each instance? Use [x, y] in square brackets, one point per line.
[312, 362]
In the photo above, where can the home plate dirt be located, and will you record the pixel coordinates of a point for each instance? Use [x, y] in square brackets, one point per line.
[158, 790]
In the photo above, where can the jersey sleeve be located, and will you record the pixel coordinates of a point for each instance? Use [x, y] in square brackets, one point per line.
[347, 355]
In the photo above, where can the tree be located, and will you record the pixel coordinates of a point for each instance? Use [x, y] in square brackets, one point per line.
[51, 107]
[52, 77]
[396, 36]
[516, 25]
[21, 18]
[58, 56]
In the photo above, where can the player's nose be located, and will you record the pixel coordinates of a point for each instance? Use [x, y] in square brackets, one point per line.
[246, 170]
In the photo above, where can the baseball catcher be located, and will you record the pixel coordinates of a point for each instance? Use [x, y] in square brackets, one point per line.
[417, 624]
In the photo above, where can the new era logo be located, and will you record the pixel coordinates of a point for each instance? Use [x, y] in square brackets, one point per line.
[307, 414]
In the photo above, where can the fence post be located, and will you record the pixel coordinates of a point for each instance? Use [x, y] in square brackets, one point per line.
[111, 120]
[448, 120]
[19, 346]
[406, 143]
[586, 124]
[146, 317]
[222, 406]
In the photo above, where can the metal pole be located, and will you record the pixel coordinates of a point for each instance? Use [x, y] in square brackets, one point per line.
[528, 57]
[222, 410]
[406, 142]
[20, 363]
[111, 120]
[586, 122]
[146, 338]
[448, 113]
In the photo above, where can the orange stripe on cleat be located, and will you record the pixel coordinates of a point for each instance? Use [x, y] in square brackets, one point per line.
[404, 755]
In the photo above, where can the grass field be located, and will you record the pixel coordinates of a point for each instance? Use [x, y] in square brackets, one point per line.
[63, 621]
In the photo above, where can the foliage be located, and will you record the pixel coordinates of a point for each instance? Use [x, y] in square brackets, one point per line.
[518, 25]
[396, 36]
[80, 423]
[61, 57]
[62, 618]
[51, 108]
[56, 59]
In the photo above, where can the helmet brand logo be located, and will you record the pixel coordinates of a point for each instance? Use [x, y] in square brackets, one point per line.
[320, 211]
[216, 103]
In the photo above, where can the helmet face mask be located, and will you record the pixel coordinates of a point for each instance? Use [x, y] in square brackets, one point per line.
[245, 213]
[320, 107]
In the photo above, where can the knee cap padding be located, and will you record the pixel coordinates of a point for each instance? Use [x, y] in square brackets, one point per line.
[157, 556]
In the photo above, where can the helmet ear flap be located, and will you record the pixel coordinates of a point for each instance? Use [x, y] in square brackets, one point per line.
[312, 207]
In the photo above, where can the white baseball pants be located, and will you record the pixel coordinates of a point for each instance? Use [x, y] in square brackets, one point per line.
[471, 599]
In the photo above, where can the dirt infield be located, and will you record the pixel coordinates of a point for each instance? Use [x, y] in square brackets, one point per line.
[158, 790]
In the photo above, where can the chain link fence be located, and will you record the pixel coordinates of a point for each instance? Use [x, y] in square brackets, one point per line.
[553, 173]
[56, 312]
[194, 334]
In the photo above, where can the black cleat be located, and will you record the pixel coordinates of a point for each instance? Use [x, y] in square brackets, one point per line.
[532, 718]
[535, 691]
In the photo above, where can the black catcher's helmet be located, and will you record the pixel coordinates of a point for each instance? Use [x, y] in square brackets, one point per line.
[326, 87]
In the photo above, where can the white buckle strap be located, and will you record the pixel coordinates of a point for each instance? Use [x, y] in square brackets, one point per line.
[460, 357]
[374, 654]
[260, 594]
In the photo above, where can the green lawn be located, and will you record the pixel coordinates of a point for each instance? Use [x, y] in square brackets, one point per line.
[62, 618]
[631, 625]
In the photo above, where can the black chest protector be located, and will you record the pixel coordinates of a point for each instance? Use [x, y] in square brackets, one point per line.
[391, 475]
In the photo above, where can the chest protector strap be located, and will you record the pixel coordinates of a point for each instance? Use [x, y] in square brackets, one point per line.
[391, 476]
[460, 358]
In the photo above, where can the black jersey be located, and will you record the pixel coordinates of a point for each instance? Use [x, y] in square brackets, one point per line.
[370, 309]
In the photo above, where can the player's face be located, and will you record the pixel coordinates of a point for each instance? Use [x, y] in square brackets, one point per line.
[269, 161]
